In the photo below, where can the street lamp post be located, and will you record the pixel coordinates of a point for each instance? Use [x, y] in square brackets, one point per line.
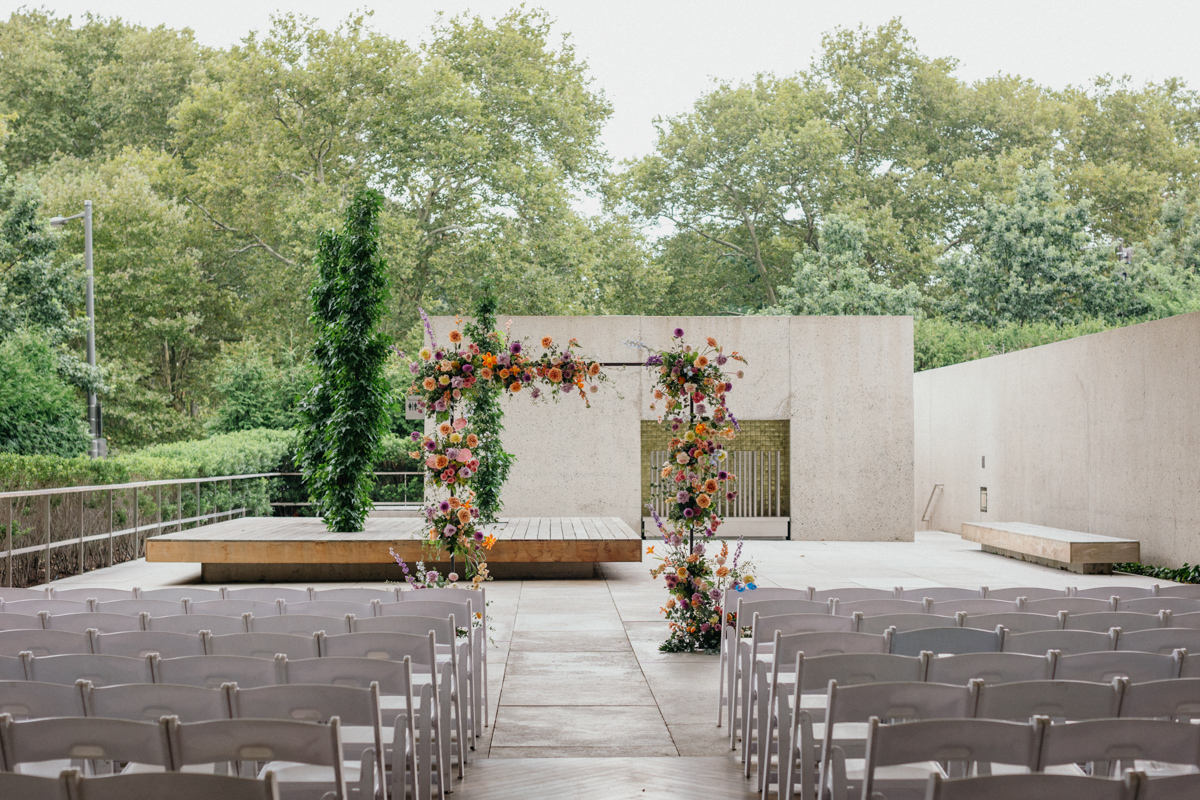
[99, 446]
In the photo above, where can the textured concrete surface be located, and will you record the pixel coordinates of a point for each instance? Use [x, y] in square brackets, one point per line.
[1097, 434]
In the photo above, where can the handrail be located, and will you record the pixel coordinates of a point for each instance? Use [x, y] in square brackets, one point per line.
[925, 514]
[104, 487]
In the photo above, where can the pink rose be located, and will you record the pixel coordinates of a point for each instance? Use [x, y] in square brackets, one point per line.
[431, 462]
[460, 423]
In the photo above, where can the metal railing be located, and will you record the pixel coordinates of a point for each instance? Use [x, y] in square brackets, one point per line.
[404, 501]
[925, 516]
[760, 483]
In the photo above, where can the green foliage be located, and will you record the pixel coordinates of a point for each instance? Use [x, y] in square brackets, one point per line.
[347, 411]
[255, 391]
[39, 413]
[487, 420]
[1188, 573]
[940, 342]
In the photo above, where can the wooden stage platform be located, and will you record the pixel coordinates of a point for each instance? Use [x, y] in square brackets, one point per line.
[289, 549]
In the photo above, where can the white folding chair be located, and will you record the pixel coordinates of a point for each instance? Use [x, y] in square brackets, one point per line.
[100, 670]
[20, 622]
[176, 786]
[1058, 700]
[1015, 622]
[1152, 605]
[1107, 743]
[267, 594]
[43, 642]
[1065, 642]
[321, 704]
[871, 608]
[330, 608]
[1104, 621]
[940, 593]
[10, 593]
[354, 594]
[991, 668]
[95, 620]
[139, 644]
[137, 606]
[37, 606]
[215, 671]
[233, 608]
[152, 702]
[1072, 605]
[100, 594]
[35, 746]
[1190, 620]
[1170, 787]
[1191, 591]
[11, 669]
[849, 594]
[36, 787]
[1177, 700]
[941, 641]
[1103, 667]
[974, 605]
[905, 622]
[1162, 640]
[478, 629]
[264, 645]
[194, 623]
[1027, 592]
[299, 624]
[179, 593]
[32, 699]
[1030, 787]
[1122, 593]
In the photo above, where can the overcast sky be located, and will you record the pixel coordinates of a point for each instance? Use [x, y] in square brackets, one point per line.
[654, 57]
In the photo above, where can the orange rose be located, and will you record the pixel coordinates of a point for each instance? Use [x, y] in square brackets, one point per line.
[485, 373]
[712, 342]
[455, 337]
[702, 362]
[547, 341]
[516, 386]
[445, 429]
[504, 373]
[472, 440]
[442, 462]
[430, 384]
[464, 516]
[454, 502]
[710, 485]
[704, 501]
[555, 375]
[593, 369]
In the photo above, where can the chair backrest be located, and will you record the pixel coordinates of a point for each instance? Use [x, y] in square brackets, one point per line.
[233, 608]
[358, 672]
[1037, 786]
[949, 741]
[330, 608]
[1065, 642]
[1177, 699]
[476, 597]
[20, 622]
[391, 646]
[356, 595]
[194, 623]
[158, 608]
[264, 645]
[1120, 592]
[1189, 620]
[151, 702]
[43, 643]
[36, 787]
[309, 703]
[443, 629]
[11, 669]
[1028, 592]
[180, 593]
[38, 605]
[177, 786]
[300, 624]
[904, 622]
[945, 640]
[1103, 667]
[990, 668]
[1017, 622]
[1074, 605]
[746, 608]
[848, 594]
[1059, 700]
[33, 699]
[10, 593]
[1170, 787]
[99, 593]
[825, 643]
[139, 644]
[1115, 740]
[94, 738]
[214, 671]
[429, 608]
[1152, 605]
[254, 740]
[81, 623]
[896, 702]
[99, 670]
[1191, 590]
[1161, 640]
[851, 669]
[763, 629]
[974, 605]
[1103, 621]
[870, 608]
[267, 594]
[940, 593]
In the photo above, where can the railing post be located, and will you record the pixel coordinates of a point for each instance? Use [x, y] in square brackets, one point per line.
[110, 527]
[158, 506]
[46, 511]
[179, 508]
[137, 535]
[9, 528]
[199, 521]
[81, 569]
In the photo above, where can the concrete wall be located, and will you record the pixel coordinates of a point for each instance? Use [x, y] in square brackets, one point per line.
[1098, 434]
[844, 382]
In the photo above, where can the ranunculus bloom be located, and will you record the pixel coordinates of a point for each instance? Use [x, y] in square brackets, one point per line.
[449, 530]
[710, 486]
[464, 516]
[704, 501]
[555, 375]
[682, 458]
[516, 387]
[455, 337]
[441, 461]
[547, 341]
[454, 502]
[593, 369]
[429, 384]
[702, 362]
[472, 440]
[444, 429]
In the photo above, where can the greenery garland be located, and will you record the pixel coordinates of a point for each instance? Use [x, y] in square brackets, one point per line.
[487, 419]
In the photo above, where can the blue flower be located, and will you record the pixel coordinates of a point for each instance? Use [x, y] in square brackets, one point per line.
[751, 586]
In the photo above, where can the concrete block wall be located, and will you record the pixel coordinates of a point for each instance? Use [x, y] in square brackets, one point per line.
[1099, 434]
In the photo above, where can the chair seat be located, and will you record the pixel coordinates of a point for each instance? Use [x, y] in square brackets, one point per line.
[44, 769]
[898, 775]
[304, 781]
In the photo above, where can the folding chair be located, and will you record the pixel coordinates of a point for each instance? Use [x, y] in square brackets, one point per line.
[991, 668]
[1122, 593]
[49, 606]
[100, 670]
[35, 787]
[175, 785]
[287, 746]
[904, 622]
[43, 643]
[1105, 743]
[11, 669]
[11, 593]
[889, 702]
[1152, 605]
[478, 629]
[904, 755]
[1127, 621]
[330, 608]
[139, 644]
[33, 742]
[945, 640]
[20, 622]
[1103, 667]
[870, 608]
[92, 620]
[940, 594]
[1058, 700]
[137, 606]
[267, 594]
[194, 623]
[1065, 642]
[1170, 787]
[1016, 622]
[179, 593]
[975, 605]
[848, 594]
[233, 608]
[1191, 591]
[353, 707]
[32, 699]
[1027, 592]
[1162, 640]
[299, 624]
[1072, 605]
[152, 702]
[264, 645]
[1190, 620]
[215, 671]
[1177, 700]
[1030, 787]
[100, 594]
[356, 595]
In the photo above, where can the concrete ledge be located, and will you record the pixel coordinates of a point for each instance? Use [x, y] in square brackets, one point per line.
[324, 573]
[1084, 553]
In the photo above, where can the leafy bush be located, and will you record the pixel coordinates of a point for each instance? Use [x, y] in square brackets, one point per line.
[39, 412]
[256, 390]
[940, 342]
[1188, 573]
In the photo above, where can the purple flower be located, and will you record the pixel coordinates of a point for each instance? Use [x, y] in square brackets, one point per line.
[722, 359]
[715, 594]
[655, 360]
[430, 446]
[452, 453]
[413, 368]
[456, 382]
[465, 472]
[431, 576]
[515, 347]
[535, 393]
[468, 368]
[688, 513]
[682, 497]
[449, 530]
[698, 549]
[474, 513]
[440, 405]
[566, 387]
[705, 627]
[697, 597]
[504, 359]
[428, 328]
[439, 355]
[672, 581]
[479, 536]
[416, 437]
[700, 408]
[722, 475]
[675, 540]
[444, 506]
[730, 495]
[677, 333]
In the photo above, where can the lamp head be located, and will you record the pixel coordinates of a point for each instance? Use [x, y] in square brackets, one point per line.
[58, 222]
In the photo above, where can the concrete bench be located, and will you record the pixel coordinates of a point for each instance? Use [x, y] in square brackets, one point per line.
[1085, 553]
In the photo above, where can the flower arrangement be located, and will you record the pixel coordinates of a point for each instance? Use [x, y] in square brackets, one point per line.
[447, 454]
[698, 589]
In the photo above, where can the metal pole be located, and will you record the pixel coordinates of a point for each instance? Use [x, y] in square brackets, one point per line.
[137, 536]
[46, 510]
[158, 505]
[179, 510]
[9, 508]
[81, 567]
[93, 410]
[110, 527]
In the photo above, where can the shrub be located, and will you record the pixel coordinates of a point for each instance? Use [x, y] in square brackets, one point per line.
[39, 412]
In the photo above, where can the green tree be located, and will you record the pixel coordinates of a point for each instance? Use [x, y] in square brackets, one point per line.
[255, 389]
[39, 413]
[346, 413]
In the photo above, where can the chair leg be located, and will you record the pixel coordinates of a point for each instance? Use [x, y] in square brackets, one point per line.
[721, 680]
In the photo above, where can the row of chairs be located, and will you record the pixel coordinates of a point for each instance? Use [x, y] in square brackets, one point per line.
[176, 593]
[1048, 786]
[71, 785]
[230, 607]
[980, 605]
[1009, 593]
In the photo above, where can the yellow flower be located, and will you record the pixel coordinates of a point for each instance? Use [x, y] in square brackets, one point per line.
[747, 579]
[444, 380]
[455, 438]
[425, 354]
[681, 572]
